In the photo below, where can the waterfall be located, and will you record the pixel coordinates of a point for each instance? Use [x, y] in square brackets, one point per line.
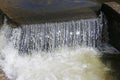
[48, 36]
[59, 51]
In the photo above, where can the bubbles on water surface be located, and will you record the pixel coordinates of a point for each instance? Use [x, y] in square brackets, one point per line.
[79, 62]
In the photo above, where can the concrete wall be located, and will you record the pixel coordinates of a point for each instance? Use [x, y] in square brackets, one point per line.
[112, 12]
[1, 17]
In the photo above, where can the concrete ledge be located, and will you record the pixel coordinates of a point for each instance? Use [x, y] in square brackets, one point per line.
[114, 5]
[39, 11]
[112, 12]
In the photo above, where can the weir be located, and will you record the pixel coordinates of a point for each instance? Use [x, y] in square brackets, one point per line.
[52, 40]
[34, 12]
[48, 36]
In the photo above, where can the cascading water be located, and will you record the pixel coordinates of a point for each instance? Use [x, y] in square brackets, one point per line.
[48, 36]
[59, 51]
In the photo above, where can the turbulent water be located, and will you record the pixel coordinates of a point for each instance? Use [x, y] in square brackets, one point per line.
[65, 64]
[49, 36]
[59, 51]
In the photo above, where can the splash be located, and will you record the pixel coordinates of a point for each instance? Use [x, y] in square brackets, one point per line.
[65, 63]
[76, 62]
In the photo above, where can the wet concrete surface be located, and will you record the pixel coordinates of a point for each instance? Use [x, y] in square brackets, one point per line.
[112, 12]
[33, 11]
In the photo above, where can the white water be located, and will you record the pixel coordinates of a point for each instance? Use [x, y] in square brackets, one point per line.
[65, 63]
[49, 36]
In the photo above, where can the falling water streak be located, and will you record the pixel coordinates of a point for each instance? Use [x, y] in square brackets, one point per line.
[48, 36]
